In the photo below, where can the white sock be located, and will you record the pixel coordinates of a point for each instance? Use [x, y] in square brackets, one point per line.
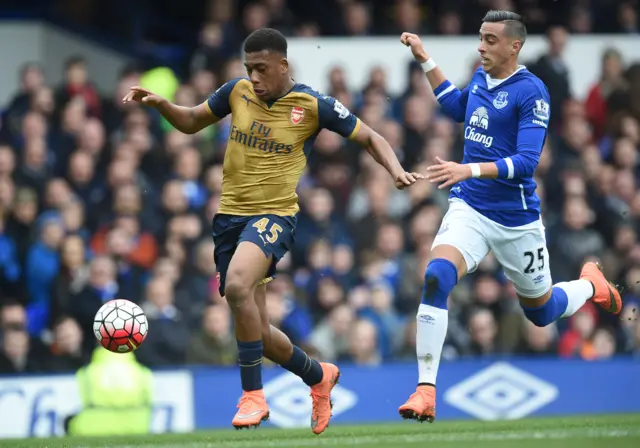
[431, 332]
[578, 292]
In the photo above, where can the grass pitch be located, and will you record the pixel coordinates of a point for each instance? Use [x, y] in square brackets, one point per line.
[621, 431]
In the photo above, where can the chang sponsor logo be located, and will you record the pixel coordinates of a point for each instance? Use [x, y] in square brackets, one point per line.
[471, 135]
[479, 120]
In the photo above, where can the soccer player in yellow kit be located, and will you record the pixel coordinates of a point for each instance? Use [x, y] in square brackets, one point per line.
[274, 124]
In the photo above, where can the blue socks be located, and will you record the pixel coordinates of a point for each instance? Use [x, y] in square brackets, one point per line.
[550, 311]
[306, 368]
[439, 280]
[250, 361]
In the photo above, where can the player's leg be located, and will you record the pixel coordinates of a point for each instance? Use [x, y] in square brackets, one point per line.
[524, 257]
[240, 269]
[321, 377]
[246, 269]
[457, 249]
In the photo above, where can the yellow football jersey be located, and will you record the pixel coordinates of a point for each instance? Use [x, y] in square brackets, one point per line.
[269, 143]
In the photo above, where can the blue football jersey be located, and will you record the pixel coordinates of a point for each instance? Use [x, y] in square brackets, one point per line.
[497, 115]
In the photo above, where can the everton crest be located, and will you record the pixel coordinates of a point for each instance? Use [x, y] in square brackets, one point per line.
[297, 114]
[500, 101]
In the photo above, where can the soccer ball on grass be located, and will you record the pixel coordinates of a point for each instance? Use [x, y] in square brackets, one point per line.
[120, 326]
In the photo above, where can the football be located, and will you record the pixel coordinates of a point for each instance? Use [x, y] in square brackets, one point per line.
[120, 326]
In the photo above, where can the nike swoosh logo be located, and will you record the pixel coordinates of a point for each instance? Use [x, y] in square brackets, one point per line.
[249, 415]
[614, 305]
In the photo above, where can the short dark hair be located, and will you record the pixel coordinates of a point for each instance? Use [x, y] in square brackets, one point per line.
[74, 60]
[513, 23]
[28, 66]
[266, 39]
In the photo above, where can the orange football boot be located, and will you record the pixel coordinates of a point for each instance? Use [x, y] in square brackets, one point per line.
[321, 397]
[605, 293]
[252, 410]
[421, 405]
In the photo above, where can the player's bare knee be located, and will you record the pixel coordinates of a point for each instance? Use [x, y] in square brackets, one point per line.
[237, 291]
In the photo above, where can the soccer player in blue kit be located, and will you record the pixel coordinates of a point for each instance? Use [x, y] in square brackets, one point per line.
[493, 203]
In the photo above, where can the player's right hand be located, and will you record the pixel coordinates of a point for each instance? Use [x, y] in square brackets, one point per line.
[413, 41]
[406, 179]
[142, 95]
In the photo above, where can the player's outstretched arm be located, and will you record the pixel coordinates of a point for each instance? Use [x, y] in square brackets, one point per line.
[452, 100]
[382, 152]
[533, 113]
[185, 119]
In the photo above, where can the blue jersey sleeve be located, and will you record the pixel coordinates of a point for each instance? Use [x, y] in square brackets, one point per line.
[218, 103]
[334, 116]
[534, 114]
[452, 100]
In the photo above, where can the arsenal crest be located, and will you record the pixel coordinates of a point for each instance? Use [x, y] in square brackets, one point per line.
[297, 114]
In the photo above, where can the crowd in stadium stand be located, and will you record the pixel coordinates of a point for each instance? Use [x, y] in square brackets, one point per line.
[99, 201]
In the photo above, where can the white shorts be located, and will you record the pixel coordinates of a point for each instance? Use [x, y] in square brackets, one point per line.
[521, 251]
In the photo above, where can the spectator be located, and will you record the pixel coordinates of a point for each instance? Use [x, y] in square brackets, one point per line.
[318, 221]
[67, 354]
[42, 267]
[10, 268]
[330, 337]
[552, 70]
[100, 288]
[628, 18]
[610, 79]
[197, 280]
[538, 341]
[386, 319]
[575, 341]
[73, 276]
[286, 314]
[32, 79]
[77, 84]
[357, 19]
[16, 355]
[214, 344]
[483, 331]
[20, 220]
[167, 344]
[362, 344]
[143, 251]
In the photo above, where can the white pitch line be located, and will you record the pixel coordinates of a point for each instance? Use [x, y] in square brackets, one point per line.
[407, 438]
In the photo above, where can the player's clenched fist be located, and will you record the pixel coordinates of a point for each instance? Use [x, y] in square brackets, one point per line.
[406, 179]
[447, 173]
[413, 41]
[142, 95]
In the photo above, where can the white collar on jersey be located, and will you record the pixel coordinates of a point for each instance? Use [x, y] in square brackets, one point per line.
[493, 83]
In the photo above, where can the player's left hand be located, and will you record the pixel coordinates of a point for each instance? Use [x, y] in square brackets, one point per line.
[449, 173]
[406, 179]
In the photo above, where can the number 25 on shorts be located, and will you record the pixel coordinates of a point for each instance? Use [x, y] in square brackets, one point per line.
[274, 230]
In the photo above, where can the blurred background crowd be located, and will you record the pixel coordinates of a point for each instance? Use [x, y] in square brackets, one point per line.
[99, 201]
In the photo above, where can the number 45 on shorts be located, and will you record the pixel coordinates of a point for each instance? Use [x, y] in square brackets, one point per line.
[272, 234]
